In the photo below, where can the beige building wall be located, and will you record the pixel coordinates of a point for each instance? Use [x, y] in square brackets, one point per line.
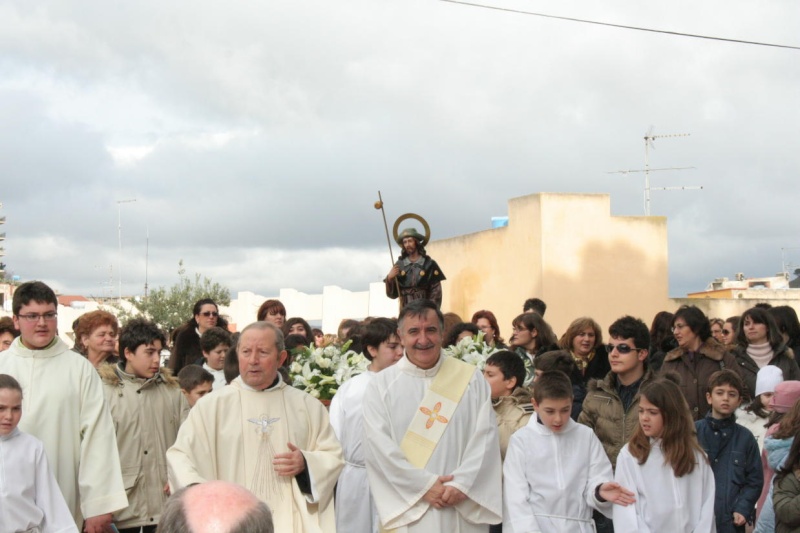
[566, 249]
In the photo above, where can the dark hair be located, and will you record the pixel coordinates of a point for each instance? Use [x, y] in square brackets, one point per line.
[298, 320]
[191, 376]
[317, 331]
[558, 360]
[213, 337]
[735, 321]
[419, 308]
[7, 326]
[764, 305]
[678, 439]
[787, 322]
[230, 367]
[695, 319]
[346, 324]
[628, 327]
[293, 341]
[553, 385]
[35, 291]
[8, 382]
[458, 329]
[174, 520]
[725, 377]
[88, 322]
[136, 332]
[275, 306]
[510, 364]
[420, 247]
[661, 335]
[488, 315]
[759, 315]
[198, 306]
[534, 321]
[376, 332]
[792, 461]
[534, 304]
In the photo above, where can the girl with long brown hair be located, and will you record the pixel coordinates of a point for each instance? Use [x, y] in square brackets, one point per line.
[665, 467]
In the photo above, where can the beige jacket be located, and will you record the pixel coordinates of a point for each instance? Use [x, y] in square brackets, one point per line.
[512, 413]
[147, 414]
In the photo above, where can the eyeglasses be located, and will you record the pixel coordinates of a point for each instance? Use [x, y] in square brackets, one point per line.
[209, 313]
[622, 348]
[34, 318]
[676, 327]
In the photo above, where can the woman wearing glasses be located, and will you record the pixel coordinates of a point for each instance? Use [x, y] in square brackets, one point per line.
[759, 343]
[186, 350]
[696, 357]
[532, 337]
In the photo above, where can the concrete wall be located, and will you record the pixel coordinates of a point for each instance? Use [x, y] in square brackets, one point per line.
[566, 249]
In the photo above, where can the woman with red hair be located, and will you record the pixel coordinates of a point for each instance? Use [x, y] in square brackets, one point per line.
[487, 323]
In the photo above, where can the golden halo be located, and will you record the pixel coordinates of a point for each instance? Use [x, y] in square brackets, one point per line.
[416, 217]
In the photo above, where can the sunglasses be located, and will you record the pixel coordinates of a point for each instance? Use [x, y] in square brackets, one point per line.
[621, 348]
[726, 332]
[209, 313]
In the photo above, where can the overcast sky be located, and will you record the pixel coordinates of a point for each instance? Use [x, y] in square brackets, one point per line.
[255, 135]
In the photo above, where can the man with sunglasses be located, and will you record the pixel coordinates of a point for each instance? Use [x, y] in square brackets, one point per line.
[65, 409]
[611, 404]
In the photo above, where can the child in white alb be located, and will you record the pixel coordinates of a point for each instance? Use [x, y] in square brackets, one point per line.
[30, 499]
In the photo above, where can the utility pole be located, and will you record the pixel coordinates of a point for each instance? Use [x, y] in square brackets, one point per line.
[119, 235]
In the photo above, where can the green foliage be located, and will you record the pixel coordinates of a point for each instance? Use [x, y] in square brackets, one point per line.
[171, 307]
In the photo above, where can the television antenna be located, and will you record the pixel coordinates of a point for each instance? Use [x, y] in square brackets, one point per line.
[649, 139]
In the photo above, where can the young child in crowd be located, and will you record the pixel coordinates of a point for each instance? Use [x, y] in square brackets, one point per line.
[355, 510]
[756, 414]
[787, 393]
[505, 373]
[780, 438]
[562, 361]
[787, 492]
[665, 467]
[732, 452]
[195, 382]
[148, 408]
[555, 470]
[215, 343]
[30, 499]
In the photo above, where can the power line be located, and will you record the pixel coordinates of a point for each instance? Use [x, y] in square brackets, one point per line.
[637, 28]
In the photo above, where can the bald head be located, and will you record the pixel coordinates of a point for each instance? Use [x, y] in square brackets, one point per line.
[215, 507]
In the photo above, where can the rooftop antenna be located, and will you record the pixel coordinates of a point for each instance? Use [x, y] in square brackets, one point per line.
[785, 266]
[648, 143]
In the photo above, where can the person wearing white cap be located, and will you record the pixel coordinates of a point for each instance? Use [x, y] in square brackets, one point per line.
[754, 415]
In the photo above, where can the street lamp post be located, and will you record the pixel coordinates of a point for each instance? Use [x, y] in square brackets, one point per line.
[119, 235]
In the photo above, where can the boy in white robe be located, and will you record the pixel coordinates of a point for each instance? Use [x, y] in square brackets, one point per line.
[355, 510]
[30, 499]
[556, 470]
[65, 409]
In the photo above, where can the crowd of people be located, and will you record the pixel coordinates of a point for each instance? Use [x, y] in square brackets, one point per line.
[685, 424]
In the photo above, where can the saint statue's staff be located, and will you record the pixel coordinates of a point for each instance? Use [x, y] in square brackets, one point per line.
[379, 205]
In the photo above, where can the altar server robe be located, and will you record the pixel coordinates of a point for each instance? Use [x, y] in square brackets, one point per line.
[664, 502]
[469, 450]
[549, 479]
[64, 406]
[355, 508]
[29, 495]
[221, 441]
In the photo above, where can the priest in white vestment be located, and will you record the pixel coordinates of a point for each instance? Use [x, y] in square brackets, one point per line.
[438, 471]
[271, 438]
[65, 408]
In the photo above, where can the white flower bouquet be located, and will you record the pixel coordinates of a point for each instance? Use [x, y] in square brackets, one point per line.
[321, 371]
[472, 350]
